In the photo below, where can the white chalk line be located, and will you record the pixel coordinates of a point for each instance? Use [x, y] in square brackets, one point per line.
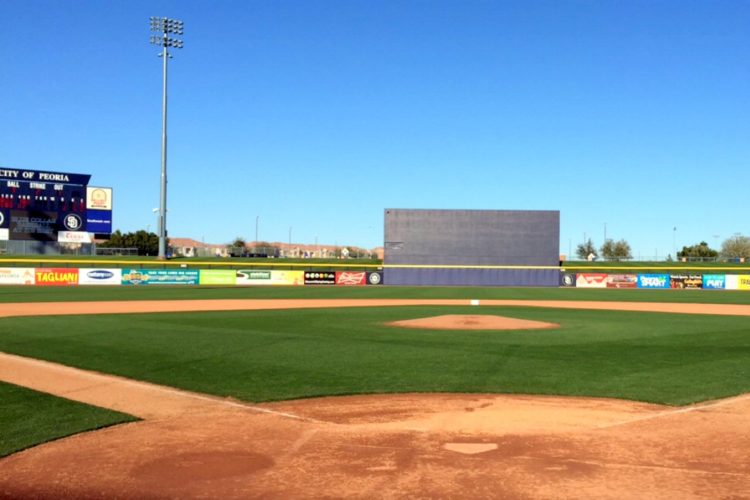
[677, 411]
[107, 380]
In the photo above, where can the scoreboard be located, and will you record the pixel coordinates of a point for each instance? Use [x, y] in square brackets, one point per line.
[43, 206]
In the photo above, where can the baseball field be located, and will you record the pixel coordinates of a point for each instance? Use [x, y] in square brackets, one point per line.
[313, 392]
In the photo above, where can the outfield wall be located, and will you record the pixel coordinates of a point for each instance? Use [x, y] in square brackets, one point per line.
[681, 281]
[50, 276]
[68, 276]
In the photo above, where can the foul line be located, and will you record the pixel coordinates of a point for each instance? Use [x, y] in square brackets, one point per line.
[677, 411]
[101, 380]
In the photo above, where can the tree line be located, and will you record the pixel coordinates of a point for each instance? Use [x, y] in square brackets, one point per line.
[735, 247]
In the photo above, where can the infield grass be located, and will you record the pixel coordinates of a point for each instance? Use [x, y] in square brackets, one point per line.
[275, 355]
[28, 418]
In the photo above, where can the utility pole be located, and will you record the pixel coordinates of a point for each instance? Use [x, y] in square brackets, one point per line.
[164, 27]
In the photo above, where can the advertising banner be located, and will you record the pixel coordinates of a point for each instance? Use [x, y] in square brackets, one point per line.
[375, 278]
[732, 282]
[622, 281]
[4, 219]
[4, 234]
[591, 280]
[687, 281]
[98, 198]
[714, 282]
[350, 278]
[567, 279]
[100, 277]
[73, 237]
[17, 276]
[218, 277]
[259, 277]
[159, 277]
[55, 277]
[320, 278]
[653, 281]
[99, 221]
[743, 282]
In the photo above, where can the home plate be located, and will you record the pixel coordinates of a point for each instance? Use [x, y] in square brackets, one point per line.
[470, 448]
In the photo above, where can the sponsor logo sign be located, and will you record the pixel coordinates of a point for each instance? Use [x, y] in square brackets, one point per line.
[743, 282]
[4, 218]
[320, 278]
[73, 237]
[98, 198]
[351, 277]
[72, 222]
[99, 221]
[17, 276]
[714, 281]
[732, 282]
[591, 280]
[567, 279]
[260, 277]
[160, 277]
[4, 234]
[55, 277]
[100, 276]
[622, 281]
[689, 281]
[217, 277]
[653, 281]
[375, 278]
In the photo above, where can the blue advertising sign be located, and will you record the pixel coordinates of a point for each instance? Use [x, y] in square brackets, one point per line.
[99, 221]
[714, 281]
[160, 277]
[653, 281]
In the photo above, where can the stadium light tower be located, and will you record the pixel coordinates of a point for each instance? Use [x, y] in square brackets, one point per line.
[164, 27]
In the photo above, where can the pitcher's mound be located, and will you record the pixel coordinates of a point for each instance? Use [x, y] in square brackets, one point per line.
[472, 322]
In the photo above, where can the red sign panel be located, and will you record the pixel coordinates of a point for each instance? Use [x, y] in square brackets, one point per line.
[351, 278]
[622, 281]
[591, 280]
[56, 277]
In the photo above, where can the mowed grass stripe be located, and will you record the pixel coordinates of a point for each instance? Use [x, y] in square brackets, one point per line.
[275, 355]
[28, 418]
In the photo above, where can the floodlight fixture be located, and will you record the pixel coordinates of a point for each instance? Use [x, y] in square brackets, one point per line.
[164, 27]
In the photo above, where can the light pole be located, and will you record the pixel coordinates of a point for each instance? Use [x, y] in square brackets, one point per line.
[156, 212]
[674, 241]
[164, 27]
[257, 219]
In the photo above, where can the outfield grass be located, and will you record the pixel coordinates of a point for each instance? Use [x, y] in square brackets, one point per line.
[155, 292]
[276, 355]
[28, 418]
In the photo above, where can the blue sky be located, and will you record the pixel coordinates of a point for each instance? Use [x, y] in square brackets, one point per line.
[318, 115]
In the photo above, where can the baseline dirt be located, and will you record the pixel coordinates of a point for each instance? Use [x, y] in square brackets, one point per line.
[391, 446]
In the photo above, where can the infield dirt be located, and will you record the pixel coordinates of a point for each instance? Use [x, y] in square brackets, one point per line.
[386, 446]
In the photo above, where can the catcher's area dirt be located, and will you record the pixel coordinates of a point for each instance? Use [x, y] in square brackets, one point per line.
[415, 445]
